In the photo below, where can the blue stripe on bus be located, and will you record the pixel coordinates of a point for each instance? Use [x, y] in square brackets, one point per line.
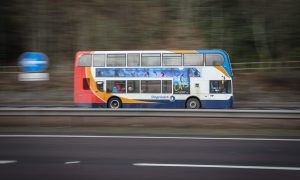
[178, 104]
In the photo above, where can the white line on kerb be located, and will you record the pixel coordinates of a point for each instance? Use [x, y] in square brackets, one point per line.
[72, 162]
[218, 166]
[152, 137]
[7, 161]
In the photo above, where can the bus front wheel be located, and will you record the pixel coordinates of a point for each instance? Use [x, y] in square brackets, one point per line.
[192, 103]
[114, 103]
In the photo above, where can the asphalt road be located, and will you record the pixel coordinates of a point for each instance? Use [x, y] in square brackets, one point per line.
[130, 158]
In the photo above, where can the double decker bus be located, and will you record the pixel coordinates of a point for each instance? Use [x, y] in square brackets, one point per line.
[189, 79]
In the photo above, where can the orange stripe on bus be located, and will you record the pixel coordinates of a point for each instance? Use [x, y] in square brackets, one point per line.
[220, 68]
[93, 86]
[105, 96]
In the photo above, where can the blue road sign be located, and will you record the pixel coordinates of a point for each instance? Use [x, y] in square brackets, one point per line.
[33, 62]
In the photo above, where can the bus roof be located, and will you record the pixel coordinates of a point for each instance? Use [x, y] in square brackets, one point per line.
[156, 51]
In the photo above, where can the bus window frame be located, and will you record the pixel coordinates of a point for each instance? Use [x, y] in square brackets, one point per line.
[106, 60]
[162, 59]
[133, 66]
[201, 65]
[214, 54]
[91, 59]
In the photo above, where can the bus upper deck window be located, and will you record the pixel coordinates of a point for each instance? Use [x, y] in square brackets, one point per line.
[133, 59]
[85, 60]
[151, 59]
[193, 60]
[214, 60]
[171, 59]
[117, 60]
[99, 60]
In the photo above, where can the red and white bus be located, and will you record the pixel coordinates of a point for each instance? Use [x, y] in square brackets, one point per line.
[153, 79]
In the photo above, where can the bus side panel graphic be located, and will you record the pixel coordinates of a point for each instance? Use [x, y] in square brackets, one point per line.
[181, 76]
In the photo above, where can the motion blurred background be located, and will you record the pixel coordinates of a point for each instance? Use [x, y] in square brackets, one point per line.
[262, 38]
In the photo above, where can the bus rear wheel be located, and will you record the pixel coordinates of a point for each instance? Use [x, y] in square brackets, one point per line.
[192, 103]
[114, 103]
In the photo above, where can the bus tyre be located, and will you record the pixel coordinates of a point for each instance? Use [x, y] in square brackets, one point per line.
[193, 103]
[114, 103]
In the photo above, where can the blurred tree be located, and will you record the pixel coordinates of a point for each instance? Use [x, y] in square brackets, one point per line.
[254, 30]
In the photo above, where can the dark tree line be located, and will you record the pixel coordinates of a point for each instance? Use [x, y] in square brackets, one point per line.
[250, 30]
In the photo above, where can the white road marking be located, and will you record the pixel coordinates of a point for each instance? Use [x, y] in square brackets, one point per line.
[153, 137]
[72, 162]
[218, 166]
[7, 161]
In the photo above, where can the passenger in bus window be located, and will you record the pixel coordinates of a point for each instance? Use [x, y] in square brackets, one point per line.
[130, 89]
[119, 89]
[114, 89]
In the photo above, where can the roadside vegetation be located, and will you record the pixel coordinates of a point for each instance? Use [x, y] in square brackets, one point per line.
[250, 31]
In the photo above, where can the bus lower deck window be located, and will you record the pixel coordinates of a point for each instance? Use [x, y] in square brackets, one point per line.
[151, 86]
[100, 85]
[220, 86]
[133, 86]
[116, 86]
[166, 86]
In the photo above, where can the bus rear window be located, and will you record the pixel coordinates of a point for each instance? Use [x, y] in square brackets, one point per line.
[214, 60]
[85, 60]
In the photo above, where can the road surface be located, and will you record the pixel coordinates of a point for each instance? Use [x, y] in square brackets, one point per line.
[159, 158]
